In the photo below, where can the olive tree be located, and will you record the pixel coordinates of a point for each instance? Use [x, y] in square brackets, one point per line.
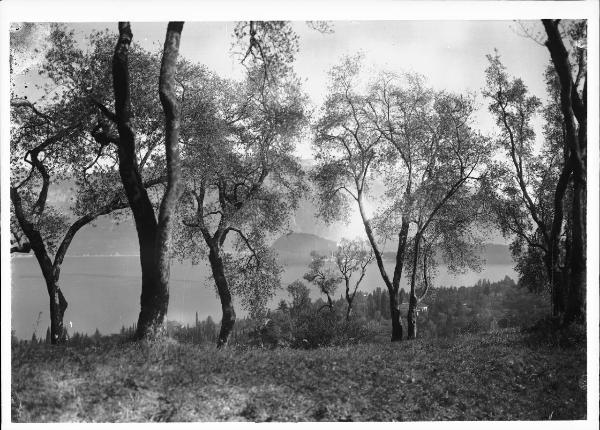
[57, 140]
[352, 256]
[242, 180]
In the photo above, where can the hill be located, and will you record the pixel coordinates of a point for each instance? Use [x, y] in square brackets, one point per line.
[107, 237]
[296, 247]
[422, 380]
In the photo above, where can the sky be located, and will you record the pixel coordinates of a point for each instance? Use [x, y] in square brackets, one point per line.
[450, 54]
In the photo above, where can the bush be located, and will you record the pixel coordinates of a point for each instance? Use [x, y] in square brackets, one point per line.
[274, 331]
[327, 329]
[314, 330]
[547, 331]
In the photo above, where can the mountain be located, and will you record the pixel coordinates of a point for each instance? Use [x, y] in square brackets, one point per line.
[110, 237]
[296, 247]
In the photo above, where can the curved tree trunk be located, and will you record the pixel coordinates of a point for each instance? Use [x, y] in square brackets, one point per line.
[141, 207]
[392, 287]
[58, 304]
[574, 111]
[153, 235]
[218, 271]
[349, 299]
[173, 190]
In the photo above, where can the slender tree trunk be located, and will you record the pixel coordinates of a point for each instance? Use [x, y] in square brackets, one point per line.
[349, 299]
[58, 304]
[574, 111]
[412, 317]
[555, 274]
[576, 301]
[173, 190]
[218, 271]
[395, 315]
[349, 311]
[412, 301]
[400, 252]
[393, 287]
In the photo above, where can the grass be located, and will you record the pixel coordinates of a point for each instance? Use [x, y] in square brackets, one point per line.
[501, 375]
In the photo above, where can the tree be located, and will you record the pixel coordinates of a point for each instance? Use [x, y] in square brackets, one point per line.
[323, 277]
[50, 144]
[241, 180]
[446, 193]
[271, 45]
[414, 140]
[529, 203]
[573, 102]
[300, 295]
[346, 152]
[153, 235]
[352, 256]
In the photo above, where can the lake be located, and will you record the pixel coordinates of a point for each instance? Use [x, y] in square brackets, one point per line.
[103, 291]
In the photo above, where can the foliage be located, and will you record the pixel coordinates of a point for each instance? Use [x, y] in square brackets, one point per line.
[241, 179]
[272, 45]
[353, 255]
[322, 275]
[68, 123]
[255, 285]
[300, 295]
[522, 191]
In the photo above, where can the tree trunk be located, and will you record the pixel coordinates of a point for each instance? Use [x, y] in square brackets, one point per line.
[412, 317]
[329, 303]
[395, 307]
[160, 301]
[58, 306]
[412, 301]
[555, 274]
[392, 287]
[574, 111]
[218, 271]
[395, 315]
[576, 301]
[153, 295]
[349, 299]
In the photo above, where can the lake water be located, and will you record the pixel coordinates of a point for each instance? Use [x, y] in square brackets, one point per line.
[103, 292]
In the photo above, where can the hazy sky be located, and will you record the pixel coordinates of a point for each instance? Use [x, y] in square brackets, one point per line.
[450, 54]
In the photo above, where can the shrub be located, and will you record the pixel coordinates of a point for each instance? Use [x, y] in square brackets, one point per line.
[274, 331]
[547, 331]
[314, 330]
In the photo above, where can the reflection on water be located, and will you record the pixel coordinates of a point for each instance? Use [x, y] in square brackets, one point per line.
[103, 292]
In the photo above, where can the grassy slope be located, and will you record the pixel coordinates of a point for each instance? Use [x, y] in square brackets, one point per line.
[492, 376]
